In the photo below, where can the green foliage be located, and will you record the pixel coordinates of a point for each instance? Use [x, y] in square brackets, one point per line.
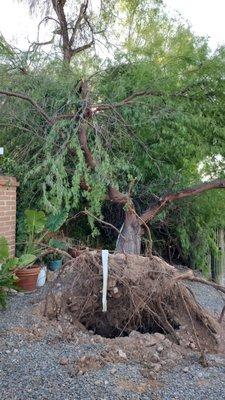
[186, 232]
[7, 277]
[4, 248]
[168, 139]
[35, 221]
[34, 224]
[7, 268]
[54, 222]
[7, 281]
[25, 260]
[58, 244]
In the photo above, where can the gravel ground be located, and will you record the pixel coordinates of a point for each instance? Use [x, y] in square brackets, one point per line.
[208, 297]
[31, 367]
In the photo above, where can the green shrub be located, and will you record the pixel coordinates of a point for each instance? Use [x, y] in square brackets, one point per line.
[7, 276]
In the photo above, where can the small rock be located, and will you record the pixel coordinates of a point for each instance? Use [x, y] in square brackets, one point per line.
[80, 373]
[186, 369]
[159, 336]
[60, 329]
[8, 351]
[13, 291]
[113, 371]
[50, 276]
[135, 334]
[160, 349]
[192, 346]
[183, 327]
[148, 374]
[151, 341]
[122, 354]
[167, 343]
[106, 382]
[152, 375]
[155, 358]
[157, 367]
[63, 361]
[16, 351]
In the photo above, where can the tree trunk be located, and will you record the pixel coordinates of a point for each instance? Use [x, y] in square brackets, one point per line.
[218, 260]
[129, 239]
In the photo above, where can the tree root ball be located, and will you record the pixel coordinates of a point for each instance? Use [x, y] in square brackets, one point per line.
[144, 294]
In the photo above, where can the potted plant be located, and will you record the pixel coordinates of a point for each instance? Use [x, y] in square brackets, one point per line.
[54, 262]
[12, 269]
[26, 269]
[38, 228]
[54, 258]
[27, 272]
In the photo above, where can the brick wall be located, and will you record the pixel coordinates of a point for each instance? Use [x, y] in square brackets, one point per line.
[8, 187]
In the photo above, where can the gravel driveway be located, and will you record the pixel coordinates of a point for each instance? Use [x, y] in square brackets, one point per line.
[33, 365]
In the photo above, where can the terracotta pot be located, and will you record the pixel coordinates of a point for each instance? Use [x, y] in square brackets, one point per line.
[28, 278]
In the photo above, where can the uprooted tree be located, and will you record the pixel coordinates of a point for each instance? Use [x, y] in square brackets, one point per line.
[81, 131]
[101, 118]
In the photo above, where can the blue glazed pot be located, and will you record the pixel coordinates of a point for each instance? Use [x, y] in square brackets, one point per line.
[55, 265]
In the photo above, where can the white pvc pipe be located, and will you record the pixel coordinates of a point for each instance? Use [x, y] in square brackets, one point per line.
[105, 267]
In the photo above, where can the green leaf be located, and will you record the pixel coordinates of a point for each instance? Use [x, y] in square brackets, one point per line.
[4, 248]
[12, 263]
[35, 221]
[54, 222]
[26, 259]
[58, 244]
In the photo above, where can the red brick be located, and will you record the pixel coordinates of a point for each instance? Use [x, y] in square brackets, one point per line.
[8, 187]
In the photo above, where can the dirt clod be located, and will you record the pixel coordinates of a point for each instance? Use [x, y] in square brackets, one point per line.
[63, 361]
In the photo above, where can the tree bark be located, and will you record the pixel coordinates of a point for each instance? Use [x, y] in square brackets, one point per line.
[59, 10]
[156, 208]
[129, 240]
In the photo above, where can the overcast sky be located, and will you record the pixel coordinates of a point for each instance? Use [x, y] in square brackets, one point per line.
[205, 17]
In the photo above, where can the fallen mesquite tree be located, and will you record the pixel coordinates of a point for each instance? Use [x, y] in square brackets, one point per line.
[87, 129]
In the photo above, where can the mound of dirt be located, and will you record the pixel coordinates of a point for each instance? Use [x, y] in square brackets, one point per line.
[145, 294]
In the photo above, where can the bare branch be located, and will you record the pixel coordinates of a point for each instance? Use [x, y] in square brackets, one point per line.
[22, 96]
[83, 9]
[151, 212]
[126, 101]
[82, 48]
[44, 43]
[101, 221]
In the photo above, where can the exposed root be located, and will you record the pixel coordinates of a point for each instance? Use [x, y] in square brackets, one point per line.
[221, 315]
[144, 294]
